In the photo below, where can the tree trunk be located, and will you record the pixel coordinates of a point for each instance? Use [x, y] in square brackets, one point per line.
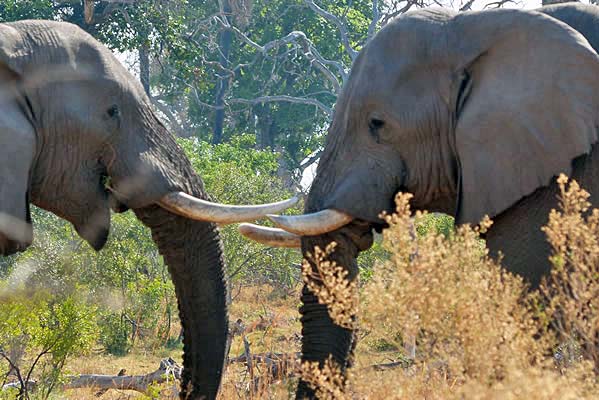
[222, 85]
[144, 66]
[265, 126]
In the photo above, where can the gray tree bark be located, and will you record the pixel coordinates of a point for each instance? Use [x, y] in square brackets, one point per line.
[144, 67]
[222, 85]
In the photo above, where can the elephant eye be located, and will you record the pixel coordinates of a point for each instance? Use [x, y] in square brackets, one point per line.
[113, 111]
[374, 125]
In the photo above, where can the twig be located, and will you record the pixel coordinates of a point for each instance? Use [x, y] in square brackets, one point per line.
[265, 357]
[23, 388]
[388, 366]
[248, 357]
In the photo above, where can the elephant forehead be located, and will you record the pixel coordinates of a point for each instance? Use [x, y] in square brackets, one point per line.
[411, 39]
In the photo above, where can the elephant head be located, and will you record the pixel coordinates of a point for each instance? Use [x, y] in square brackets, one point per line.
[77, 137]
[469, 112]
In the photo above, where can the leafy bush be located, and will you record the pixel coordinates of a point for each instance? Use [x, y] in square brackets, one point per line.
[40, 332]
[115, 334]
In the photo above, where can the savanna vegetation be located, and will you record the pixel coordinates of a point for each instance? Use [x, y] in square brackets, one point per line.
[248, 87]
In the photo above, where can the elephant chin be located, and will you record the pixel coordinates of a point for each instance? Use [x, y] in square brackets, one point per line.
[96, 238]
[96, 229]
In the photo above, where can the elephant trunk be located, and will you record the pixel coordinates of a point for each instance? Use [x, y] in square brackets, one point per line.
[322, 338]
[194, 255]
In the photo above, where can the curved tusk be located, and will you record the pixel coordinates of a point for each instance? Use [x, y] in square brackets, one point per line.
[312, 224]
[188, 206]
[270, 236]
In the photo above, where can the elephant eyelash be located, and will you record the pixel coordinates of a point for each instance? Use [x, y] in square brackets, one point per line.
[113, 111]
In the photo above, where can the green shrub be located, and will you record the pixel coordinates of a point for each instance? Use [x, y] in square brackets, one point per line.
[39, 332]
[115, 334]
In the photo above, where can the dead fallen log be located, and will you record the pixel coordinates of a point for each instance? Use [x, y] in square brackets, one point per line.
[168, 369]
[31, 385]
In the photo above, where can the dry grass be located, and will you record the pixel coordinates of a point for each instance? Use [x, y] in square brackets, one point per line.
[457, 324]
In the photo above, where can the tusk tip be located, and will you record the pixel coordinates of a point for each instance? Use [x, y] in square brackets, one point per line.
[276, 218]
[246, 228]
[293, 201]
[270, 236]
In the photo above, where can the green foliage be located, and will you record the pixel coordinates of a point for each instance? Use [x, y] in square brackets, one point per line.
[14, 10]
[115, 334]
[127, 280]
[440, 224]
[367, 259]
[40, 331]
[236, 172]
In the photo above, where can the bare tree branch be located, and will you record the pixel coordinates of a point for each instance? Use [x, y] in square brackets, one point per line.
[308, 49]
[311, 160]
[498, 4]
[467, 6]
[409, 4]
[340, 26]
[375, 19]
[22, 383]
[284, 98]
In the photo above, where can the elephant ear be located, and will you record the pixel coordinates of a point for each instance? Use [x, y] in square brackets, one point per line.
[17, 148]
[531, 107]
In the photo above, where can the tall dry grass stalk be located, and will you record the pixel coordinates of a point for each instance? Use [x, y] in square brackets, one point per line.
[479, 332]
[571, 292]
[328, 281]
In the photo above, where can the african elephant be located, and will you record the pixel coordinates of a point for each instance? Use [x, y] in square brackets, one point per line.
[77, 137]
[473, 113]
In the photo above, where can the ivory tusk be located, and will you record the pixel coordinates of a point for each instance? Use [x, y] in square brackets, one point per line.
[202, 210]
[312, 224]
[270, 236]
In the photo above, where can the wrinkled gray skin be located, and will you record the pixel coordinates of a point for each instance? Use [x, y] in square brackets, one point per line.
[74, 119]
[473, 113]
